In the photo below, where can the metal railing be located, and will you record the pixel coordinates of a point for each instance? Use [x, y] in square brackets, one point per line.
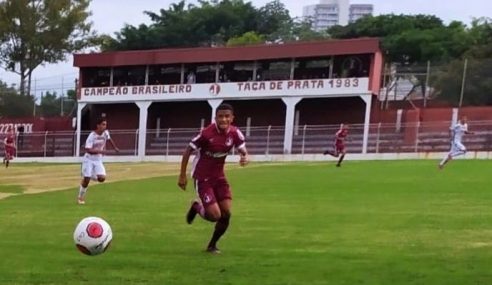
[268, 140]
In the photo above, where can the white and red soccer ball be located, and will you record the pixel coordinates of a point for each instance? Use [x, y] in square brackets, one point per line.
[92, 236]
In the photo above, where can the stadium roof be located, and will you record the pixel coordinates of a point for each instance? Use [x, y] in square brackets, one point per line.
[225, 54]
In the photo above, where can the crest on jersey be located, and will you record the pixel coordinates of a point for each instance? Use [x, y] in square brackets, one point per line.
[229, 141]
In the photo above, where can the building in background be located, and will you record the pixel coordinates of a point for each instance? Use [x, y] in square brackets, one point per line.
[329, 13]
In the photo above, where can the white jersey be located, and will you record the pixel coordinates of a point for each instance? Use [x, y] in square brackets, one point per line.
[457, 131]
[98, 142]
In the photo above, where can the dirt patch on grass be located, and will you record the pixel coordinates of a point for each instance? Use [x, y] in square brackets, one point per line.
[43, 178]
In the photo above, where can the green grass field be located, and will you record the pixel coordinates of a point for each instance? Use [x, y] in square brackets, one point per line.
[400, 222]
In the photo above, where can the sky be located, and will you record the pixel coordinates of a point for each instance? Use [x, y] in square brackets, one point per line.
[109, 16]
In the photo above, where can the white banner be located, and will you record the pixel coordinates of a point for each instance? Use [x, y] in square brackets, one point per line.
[238, 90]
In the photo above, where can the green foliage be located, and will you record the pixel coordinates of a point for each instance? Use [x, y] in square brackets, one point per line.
[248, 38]
[408, 39]
[34, 32]
[212, 23]
[51, 104]
[12, 104]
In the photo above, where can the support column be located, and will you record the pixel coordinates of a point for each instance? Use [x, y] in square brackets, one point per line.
[290, 104]
[142, 126]
[214, 103]
[367, 120]
[80, 107]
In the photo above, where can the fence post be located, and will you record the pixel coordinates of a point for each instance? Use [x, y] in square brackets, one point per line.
[74, 143]
[463, 82]
[167, 141]
[45, 142]
[377, 138]
[135, 149]
[267, 152]
[303, 139]
[417, 137]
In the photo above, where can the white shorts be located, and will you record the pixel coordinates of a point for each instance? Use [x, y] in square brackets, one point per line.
[91, 168]
[457, 148]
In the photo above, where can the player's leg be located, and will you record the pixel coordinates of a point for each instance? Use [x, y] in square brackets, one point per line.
[224, 198]
[460, 149]
[341, 150]
[87, 171]
[207, 207]
[333, 153]
[221, 225]
[99, 171]
[9, 155]
[449, 156]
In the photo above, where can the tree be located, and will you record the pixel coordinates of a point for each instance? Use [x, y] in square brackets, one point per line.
[34, 32]
[14, 105]
[274, 20]
[478, 83]
[209, 23]
[248, 38]
[212, 23]
[408, 39]
[50, 105]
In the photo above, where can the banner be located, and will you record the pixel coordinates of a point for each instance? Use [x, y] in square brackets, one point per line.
[239, 90]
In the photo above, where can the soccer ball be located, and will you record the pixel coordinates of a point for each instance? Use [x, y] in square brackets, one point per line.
[92, 236]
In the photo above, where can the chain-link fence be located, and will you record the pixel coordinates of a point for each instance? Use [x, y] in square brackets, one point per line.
[267, 140]
[458, 83]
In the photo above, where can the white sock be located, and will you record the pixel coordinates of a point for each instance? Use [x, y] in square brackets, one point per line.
[82, 191]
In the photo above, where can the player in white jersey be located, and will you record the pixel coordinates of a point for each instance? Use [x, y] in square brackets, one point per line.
[92, 165]
[457, 132]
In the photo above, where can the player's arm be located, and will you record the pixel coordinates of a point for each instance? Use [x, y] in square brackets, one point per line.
[240, 145]
[196, 143]
[113, 145]
[183, 180]
[243, 153]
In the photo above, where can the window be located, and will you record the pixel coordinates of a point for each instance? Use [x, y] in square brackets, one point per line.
[240, 71]
[200, 73]
[129, 75]
[273, 70]
[351, 66]
[165, 74]
[312, 68]
[96, 76]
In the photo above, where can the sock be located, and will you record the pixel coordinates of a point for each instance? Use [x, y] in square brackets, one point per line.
[341, 159]
[220, 228]
[444, 160]
[82, 191]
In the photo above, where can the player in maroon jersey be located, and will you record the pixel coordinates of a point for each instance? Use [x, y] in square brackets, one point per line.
[212, 146]
[340, 148]
[9, 145]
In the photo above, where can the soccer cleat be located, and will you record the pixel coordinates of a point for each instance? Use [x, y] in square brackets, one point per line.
[213, 250]
[190, 216]
[81, 201]
[339, 165]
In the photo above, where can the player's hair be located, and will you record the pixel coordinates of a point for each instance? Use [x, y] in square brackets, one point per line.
[225, 106]
[100, 120]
